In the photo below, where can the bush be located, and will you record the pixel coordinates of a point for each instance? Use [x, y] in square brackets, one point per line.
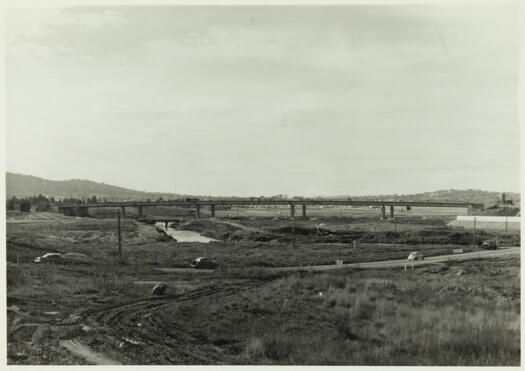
[42, 206]
[277, 348]
[25, 206]
[11, 204]
[254, 350]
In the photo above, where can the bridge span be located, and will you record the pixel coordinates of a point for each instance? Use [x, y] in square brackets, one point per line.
[82, 209]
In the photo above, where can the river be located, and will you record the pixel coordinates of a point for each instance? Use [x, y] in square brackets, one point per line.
[185, 236]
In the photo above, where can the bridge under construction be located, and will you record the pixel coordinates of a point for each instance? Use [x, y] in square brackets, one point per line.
[82, 209]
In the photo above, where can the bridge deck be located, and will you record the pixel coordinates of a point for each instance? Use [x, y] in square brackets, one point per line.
[275, 202]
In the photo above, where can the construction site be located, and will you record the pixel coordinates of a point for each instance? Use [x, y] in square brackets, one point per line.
[122, 286]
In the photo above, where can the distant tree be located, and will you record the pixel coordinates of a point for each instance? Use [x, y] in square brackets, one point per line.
[93, 199]
[42, 206]
[11, 203]
[25, 206]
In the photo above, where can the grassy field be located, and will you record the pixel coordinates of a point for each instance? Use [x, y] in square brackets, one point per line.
[97, 238]
[459, 313]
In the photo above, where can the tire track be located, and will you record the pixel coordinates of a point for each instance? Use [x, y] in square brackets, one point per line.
[123, 313]
[133, 323]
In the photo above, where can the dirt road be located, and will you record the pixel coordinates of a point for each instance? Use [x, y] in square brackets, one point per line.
[401, 263]
[376, 264]
[83, 351]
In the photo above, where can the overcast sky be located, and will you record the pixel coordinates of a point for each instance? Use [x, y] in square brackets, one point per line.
[266, 100]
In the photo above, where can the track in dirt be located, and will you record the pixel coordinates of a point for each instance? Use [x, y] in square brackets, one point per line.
[123, 313]
[85, 352]
[136, 323]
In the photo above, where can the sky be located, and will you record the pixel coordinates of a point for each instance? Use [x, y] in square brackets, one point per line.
[249, 101]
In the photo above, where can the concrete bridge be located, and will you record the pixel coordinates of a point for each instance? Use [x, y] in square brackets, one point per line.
[82, 209]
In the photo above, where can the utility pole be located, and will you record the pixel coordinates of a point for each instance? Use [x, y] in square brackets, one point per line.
[293, 231]
[119, 237]
[506, 215]
[474, 235]
[395, 232]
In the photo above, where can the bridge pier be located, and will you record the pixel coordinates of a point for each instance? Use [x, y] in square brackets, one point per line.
[470, 209]
[123, 211]
[166, 224]
[383, 213]
[140, 212]
[212, 209]
[304, 211]
[197, 211]
[292, 210]
[79, 211]
[391, 212]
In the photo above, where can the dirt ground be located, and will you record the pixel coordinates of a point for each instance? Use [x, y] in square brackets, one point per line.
[464, 313]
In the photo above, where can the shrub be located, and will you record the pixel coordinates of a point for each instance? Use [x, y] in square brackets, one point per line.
[277, 347]
[254, 350]
[25, 206]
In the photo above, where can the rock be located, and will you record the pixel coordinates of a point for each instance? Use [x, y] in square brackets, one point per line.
[14, 308]
[87, 328]
[159, 289]
[132, 341]
[459, 273]
[73, 319]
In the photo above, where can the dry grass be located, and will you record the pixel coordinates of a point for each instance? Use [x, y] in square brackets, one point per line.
[459, 313]
[389, 318]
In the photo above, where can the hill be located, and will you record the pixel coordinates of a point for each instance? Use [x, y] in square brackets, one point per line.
[27, 185]
[450, 195]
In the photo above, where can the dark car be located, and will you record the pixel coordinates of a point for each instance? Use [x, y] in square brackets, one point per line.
[204, 263]
[491, 244]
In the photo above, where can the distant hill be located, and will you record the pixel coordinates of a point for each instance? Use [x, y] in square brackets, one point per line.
[450, 195]
[27, 185]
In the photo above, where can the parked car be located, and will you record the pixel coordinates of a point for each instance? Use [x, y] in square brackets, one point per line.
[491, 244]
[51, 257]
[415, 255]
[204, 263]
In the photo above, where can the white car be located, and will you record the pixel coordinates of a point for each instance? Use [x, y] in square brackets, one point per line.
[415, 255]
[50, 257]
[204, 263]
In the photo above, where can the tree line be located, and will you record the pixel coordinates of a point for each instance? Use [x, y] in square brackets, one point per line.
[43, 203]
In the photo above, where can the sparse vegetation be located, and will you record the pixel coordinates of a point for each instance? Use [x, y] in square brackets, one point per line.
[464, 313]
